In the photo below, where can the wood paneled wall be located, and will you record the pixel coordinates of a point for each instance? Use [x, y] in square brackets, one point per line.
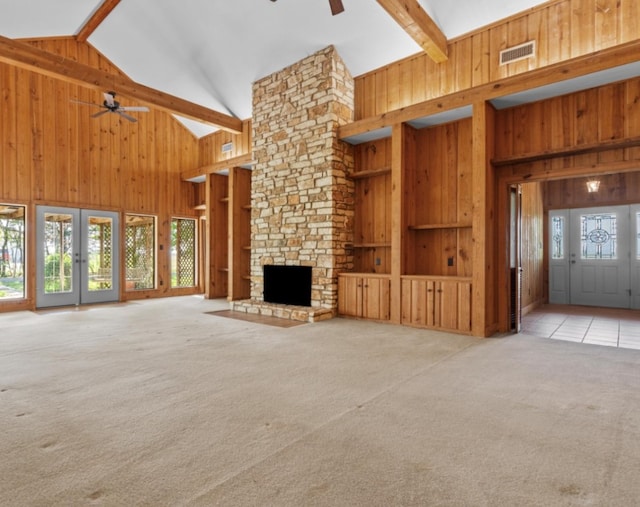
[53, 152]
[623, 188]
[562, 29]
[211, 146]
[532, 245]
[588, 117]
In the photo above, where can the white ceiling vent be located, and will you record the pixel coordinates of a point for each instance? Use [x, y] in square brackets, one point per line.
[526, 50]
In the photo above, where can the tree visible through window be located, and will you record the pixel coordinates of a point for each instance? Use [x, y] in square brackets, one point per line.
[183, 252]
[12, 231]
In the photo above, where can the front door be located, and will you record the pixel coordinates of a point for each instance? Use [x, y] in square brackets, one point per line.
[593, 256]
[600, 254]
[77, 256]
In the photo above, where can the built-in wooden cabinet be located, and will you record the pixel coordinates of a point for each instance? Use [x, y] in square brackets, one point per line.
[364, 296]
[437, 302]
[413, 229]
[228, 248]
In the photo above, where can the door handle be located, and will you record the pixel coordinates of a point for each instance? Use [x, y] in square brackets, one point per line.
[573, 262]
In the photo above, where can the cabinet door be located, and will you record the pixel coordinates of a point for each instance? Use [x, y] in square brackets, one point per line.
[418, 302]
[350, 296]
[447, 311]
[454, 305]
[376, 298]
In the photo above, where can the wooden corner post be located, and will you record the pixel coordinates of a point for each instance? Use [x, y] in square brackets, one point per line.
[484, 282]
[397, 218]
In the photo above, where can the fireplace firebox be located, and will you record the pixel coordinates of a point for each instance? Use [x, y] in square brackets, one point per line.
[289, 285]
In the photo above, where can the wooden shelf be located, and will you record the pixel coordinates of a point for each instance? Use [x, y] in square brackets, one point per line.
[224, 199]
[223, 270]
[246, 247]
[426, 227]
[369, 174]
[200, 207]
[246, 277]
[247, 207]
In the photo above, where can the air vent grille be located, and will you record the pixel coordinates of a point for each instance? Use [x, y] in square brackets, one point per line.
[526, 50]
[227, 147]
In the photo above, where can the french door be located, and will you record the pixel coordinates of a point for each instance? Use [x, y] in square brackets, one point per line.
[77, 256]
[594, 256]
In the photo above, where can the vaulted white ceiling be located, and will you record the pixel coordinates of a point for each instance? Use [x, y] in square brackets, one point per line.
[211, 51]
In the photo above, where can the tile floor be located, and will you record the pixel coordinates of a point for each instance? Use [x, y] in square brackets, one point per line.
[597, 326]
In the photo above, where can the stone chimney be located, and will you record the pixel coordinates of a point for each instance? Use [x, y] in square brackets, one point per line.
[301, 199]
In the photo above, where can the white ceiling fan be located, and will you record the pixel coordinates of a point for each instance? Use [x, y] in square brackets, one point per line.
[111, 105]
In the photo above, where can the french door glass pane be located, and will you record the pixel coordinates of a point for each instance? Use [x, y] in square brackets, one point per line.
[598, 237]
[12, 231]
[58, 241]
[100, 251]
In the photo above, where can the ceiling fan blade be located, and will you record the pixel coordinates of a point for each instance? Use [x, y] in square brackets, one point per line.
[99, 114]
[336, 6]
[142, 109]
[85, 103]
[125, 115]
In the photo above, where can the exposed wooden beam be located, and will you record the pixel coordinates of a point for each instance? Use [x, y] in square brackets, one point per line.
[239, 161]
[94, 21]
[580, 66]
[26, 56]
[410, 15]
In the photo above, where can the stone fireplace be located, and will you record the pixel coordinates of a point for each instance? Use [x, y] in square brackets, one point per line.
[301, 199]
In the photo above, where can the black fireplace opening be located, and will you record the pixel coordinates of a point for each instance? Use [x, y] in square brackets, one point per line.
[289, 285]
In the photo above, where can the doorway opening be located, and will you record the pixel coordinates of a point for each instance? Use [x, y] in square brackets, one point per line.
[564, 236]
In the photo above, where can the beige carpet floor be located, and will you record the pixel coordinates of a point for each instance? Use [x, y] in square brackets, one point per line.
[158, 403]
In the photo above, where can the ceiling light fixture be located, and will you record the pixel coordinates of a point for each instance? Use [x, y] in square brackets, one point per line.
[593, 185]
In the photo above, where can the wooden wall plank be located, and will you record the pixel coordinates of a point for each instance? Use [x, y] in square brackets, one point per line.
[607, 14]
[629, 20]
